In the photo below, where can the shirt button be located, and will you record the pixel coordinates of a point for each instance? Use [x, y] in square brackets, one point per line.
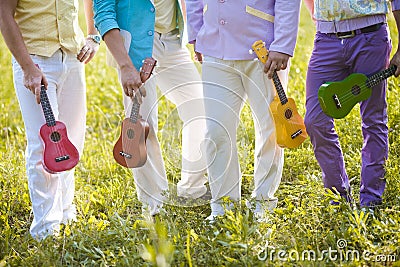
[222, 1]
[222, 22]
[152, 10]
[150, 33]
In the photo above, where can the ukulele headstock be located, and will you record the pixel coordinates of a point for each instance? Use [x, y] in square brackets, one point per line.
[260, 50]
[147, 68]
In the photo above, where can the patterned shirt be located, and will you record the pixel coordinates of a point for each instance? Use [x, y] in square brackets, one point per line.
[328, 10]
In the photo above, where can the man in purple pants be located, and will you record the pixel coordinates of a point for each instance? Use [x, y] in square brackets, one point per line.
[352, 37]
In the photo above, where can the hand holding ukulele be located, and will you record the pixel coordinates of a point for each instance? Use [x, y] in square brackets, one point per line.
[290, 129]
[130, 148]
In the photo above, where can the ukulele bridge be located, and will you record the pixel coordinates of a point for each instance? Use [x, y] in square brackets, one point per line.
[125, 155]
[337, 101]
[62, 158]
[297, 133]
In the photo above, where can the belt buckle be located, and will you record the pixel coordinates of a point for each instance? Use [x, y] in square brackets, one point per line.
[352, 34]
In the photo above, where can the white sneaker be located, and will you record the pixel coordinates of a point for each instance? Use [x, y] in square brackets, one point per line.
[262, 208]
[211, 218]
[217, 210]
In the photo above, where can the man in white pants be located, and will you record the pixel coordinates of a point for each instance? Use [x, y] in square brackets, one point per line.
[223, 32]
[52, 55]
[155, 29]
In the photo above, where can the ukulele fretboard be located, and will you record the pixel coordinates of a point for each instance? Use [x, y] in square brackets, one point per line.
[46, 107]
[380, 76]
[135, 110]
[279, 88]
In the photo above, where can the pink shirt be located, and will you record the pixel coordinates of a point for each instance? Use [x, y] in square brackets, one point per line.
[226, 29]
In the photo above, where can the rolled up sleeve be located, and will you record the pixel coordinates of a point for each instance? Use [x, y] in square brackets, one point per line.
[105, 16]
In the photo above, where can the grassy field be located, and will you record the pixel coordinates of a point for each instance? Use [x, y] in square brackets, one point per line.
[304, 229]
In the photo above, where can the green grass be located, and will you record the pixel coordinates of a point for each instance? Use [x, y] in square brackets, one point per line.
[110, 230]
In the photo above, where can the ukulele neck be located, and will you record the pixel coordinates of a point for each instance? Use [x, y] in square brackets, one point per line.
[47, 111]
[135, 110]
[380, 76]
[279, 88]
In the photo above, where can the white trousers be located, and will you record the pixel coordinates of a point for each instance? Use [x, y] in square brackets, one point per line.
[179, 81]
[52, 194]
[227, 86]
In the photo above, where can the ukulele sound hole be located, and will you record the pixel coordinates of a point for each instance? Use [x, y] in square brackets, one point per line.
[130, 133]
[355, 90]
[55, 136]
[288, 113]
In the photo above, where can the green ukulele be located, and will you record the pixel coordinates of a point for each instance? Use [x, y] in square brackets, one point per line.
[338, 98]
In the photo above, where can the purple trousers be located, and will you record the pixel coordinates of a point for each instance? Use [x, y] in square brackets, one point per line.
[333, 59]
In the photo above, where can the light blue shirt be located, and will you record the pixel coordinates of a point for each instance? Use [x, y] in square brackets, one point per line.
[135, 19]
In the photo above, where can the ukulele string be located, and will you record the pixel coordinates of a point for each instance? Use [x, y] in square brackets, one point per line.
[134, 117]
[374, 79]
[53, 126]
[292, 123]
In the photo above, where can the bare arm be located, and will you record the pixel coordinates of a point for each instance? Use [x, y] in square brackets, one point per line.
[310, 6]
[91, 47]
[88, 8]
[396, 57]
[33, 77]
[130, 77]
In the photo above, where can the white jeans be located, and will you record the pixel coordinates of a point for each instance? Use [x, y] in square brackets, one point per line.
[227, 86]
[52, 194]
[179, 80]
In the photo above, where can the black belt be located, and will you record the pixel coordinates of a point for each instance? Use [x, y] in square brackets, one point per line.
[349, 34]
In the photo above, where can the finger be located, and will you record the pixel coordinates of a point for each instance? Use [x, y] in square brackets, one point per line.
[128, 91]
[267, 66]
[138, 97]
[85, 56]
[82, 53]
[142, 91]
[271, 71]
[131, 92]
[37, 94]
[91, 55]
[44, 81]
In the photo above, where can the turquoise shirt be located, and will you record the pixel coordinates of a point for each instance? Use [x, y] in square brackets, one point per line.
[135, 19]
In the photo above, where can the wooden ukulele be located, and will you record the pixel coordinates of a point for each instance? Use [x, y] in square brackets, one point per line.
[338, 98]
[130, 148]
[59, 153]
[290, 128]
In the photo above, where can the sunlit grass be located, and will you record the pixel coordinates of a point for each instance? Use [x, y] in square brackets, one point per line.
[111, 232]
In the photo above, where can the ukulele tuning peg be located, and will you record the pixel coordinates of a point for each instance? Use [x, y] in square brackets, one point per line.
[250, 51]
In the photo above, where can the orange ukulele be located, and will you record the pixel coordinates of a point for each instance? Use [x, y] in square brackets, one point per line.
[130, 149]
[290, 129]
